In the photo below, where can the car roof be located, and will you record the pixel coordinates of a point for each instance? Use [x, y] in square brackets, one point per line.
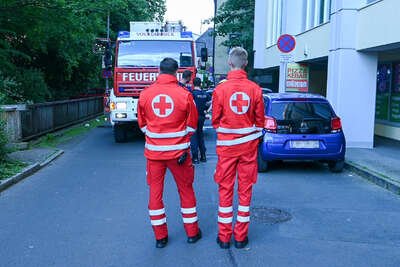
[295, 97]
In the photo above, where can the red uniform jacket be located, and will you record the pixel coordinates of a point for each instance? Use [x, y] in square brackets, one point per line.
[237, 115]
[167, 115]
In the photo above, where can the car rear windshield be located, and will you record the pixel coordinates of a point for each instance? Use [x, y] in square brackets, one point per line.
[304, 117]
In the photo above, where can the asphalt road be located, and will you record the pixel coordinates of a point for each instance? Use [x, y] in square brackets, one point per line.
[89, 208]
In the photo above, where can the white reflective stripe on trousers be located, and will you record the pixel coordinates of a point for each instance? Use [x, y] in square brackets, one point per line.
[189, 220]
[243, 219]
[158, 222]
[167, 147]
[157, 212]
[225, 209]
[243, 208]
[245, 130]
[188, 210]
[225, 220]
[170, 134]
[240, 140]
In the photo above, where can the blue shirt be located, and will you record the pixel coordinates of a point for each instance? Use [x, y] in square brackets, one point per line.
[201, 98]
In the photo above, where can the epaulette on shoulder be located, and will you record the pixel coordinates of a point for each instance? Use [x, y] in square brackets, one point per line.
[222, 81]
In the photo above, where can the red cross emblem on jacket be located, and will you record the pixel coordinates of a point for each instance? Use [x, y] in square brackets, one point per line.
[239, 102]
[162, 105]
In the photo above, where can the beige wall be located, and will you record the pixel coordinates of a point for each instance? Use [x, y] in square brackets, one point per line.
[221, 52]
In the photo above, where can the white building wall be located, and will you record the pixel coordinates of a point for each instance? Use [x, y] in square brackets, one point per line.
[371, 31]
[353, 27]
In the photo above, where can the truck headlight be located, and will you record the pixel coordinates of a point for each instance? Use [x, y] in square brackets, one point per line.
[121, 105]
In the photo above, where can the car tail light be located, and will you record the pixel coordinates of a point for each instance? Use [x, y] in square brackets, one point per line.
[336, 125]
[270, 124]
[112, 106]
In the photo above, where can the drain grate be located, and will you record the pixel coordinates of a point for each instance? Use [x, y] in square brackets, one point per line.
[269, 215]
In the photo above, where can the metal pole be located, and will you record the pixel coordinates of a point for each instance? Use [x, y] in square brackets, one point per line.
[108, 40]
[282, 77]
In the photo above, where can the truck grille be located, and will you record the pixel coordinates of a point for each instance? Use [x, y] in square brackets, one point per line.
[131, 90]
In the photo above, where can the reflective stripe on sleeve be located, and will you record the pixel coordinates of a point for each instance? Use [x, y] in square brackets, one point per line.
[237, 130]
[143, 129]
[189, 220]
[243, 208]
[224, 220]
[157, 212]
[167, 147]
[188, 210]
[225, 209]
[240, 140]
[158, 222]
[168, 135]
[190, 130]
[243, 219]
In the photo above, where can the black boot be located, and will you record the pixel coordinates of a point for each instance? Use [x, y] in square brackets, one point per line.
[241, 244]
[160, 243]
[194, 239]
[203, 157]
[195, 159]
[224, 245]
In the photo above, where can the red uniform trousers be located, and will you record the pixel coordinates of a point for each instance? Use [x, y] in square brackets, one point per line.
[184, 176]
[245, 166]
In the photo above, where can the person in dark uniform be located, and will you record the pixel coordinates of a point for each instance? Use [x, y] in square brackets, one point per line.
[202, 100]
[186, 78]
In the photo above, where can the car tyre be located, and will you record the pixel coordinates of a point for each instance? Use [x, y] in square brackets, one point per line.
[336, 166]
[119, 134]
[262, 164]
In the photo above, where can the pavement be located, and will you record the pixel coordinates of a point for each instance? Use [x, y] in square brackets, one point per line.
[88, 208]
[380, 165]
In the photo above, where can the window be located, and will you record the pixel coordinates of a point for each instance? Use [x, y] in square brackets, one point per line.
[302, 117]
[316, 12]
[388, 92]
[274, 21]
[150, 53]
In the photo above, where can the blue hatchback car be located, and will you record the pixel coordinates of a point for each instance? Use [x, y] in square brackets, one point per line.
[300, 126]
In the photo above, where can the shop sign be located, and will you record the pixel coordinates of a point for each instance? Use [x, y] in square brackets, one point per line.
[382, 106]
[395, 108]
[297, 77]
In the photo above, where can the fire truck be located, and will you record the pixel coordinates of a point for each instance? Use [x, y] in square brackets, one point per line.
[137, 58]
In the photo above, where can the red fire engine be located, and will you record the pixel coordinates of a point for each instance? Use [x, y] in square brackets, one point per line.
[138, 55]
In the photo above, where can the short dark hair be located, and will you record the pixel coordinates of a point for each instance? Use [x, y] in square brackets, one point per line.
[168, 66]
[197, 81]
[187, 74]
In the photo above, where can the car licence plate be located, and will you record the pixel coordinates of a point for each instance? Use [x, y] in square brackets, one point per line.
[304, 144]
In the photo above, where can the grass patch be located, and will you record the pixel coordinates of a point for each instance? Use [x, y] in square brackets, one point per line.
[9, 168]
[54, 139]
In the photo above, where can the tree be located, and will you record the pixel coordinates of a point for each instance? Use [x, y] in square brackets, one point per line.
[46, 45]
[235, 20]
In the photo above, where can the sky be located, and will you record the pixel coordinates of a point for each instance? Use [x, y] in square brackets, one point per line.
[191, 12]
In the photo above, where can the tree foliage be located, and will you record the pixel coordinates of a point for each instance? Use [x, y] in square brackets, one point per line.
[235, 20]
[46, 45]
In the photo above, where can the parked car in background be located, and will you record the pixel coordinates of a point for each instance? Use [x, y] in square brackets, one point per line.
[301, 126]
[266, 90]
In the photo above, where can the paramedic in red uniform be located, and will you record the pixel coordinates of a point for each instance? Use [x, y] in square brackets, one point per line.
[168, 116]
[238, 117]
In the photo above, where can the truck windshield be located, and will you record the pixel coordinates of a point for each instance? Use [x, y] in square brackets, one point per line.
[150, 53]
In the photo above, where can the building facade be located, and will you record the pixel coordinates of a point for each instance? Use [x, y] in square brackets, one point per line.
[221, 67]
[352, 51]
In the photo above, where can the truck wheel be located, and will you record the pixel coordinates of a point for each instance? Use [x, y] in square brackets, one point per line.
[262, 164]
[336, 166]
[119, 134]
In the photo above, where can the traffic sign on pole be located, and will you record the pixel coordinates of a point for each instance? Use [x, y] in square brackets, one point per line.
[286, 43]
